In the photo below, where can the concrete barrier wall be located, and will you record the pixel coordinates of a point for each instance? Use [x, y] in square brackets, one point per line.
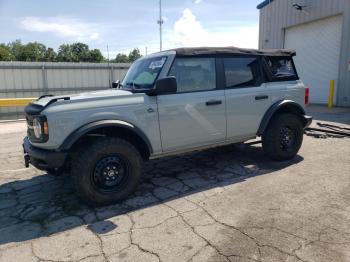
[33, 79]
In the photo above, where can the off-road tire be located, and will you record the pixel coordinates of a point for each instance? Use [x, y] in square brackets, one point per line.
[84, 164]
[271, 138]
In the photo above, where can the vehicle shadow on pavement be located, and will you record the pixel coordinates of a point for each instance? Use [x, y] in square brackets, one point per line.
[44, 205]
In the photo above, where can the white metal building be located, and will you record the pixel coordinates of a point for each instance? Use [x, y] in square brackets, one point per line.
[319, 30]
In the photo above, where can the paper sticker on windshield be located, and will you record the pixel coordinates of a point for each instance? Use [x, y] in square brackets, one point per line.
[157, 63]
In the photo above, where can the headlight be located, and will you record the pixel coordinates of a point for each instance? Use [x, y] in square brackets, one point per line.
[37, 128]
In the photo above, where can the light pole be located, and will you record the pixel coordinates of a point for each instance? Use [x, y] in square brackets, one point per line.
[160, 22]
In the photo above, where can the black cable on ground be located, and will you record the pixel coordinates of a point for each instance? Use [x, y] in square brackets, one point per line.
[346, 134]
[332, 126]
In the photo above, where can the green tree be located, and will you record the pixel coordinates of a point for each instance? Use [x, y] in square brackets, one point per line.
[33, 52]
[50, 55]
[64, 53]
[5, 53]
[76, 52]
[134, 55]
[16, 48]
[121, 58]
[96, 56]
[80, 52]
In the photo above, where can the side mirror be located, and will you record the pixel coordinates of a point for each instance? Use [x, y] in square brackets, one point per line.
[164, 86]
[116, 84]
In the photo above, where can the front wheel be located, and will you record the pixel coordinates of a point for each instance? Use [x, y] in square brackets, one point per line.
[106, 171]
[283, 137]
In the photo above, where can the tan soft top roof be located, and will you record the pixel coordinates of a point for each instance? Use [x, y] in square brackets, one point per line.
[192, 51]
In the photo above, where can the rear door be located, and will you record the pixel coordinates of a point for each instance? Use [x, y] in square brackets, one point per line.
[247, 98]
[283, 81]
[195, 115]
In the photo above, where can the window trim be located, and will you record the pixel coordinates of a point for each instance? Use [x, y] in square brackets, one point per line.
[266, 75]
[257, 84]
[198, 56]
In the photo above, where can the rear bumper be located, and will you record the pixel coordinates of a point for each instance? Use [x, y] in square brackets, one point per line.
[307, 120]
[41, 158]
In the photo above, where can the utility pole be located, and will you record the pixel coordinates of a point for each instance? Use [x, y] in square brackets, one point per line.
[107, 53]
[109, 68]
[160, 22]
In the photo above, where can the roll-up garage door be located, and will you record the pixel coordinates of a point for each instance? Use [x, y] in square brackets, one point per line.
[318, 49]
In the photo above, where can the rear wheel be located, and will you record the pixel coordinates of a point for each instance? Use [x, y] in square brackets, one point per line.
[106, 171]
[283, 137]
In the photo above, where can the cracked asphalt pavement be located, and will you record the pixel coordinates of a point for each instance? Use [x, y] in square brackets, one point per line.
[225, 204]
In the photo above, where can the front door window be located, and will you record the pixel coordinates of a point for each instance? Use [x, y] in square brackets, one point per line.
[194, 74]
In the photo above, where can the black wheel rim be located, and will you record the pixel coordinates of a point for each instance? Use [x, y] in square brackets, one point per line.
[288, 138]
[109, 174]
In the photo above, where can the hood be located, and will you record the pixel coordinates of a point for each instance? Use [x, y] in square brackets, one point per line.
[37, 106]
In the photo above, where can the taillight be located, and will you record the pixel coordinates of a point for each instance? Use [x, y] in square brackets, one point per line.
[307, 95]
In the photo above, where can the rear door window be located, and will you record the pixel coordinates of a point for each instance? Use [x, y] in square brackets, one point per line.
[242, 71]
[281, 68]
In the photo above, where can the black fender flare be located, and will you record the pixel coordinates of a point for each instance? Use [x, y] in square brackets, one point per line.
[78, 133]
[282, 104]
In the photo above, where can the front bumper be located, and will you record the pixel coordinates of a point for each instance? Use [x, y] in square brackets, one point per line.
[41, 158]
[307, 120]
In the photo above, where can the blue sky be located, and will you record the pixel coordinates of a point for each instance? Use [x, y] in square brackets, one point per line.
[124, 25]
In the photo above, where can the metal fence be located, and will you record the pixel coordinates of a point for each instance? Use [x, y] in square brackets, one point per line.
[33, 79]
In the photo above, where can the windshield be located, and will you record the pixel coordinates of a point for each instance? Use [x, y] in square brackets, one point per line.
[143, 73]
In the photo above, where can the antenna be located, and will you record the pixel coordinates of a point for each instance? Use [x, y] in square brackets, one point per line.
[160, 22]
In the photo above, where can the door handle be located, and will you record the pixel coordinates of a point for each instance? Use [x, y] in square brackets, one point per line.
[213, 102]
[262, 97]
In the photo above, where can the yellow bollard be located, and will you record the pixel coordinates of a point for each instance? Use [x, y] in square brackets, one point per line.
[331, 94]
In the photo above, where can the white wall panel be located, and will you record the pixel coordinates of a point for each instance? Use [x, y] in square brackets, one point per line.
[318, 47]
[26, 79]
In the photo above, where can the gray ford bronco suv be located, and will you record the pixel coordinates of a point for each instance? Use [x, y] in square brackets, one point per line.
[168, 103]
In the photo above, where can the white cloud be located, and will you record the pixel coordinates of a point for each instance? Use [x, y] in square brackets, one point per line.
[188, 31]
[71, 28]
[197, 1]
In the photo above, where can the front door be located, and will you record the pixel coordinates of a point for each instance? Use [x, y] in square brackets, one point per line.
[195, 115]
